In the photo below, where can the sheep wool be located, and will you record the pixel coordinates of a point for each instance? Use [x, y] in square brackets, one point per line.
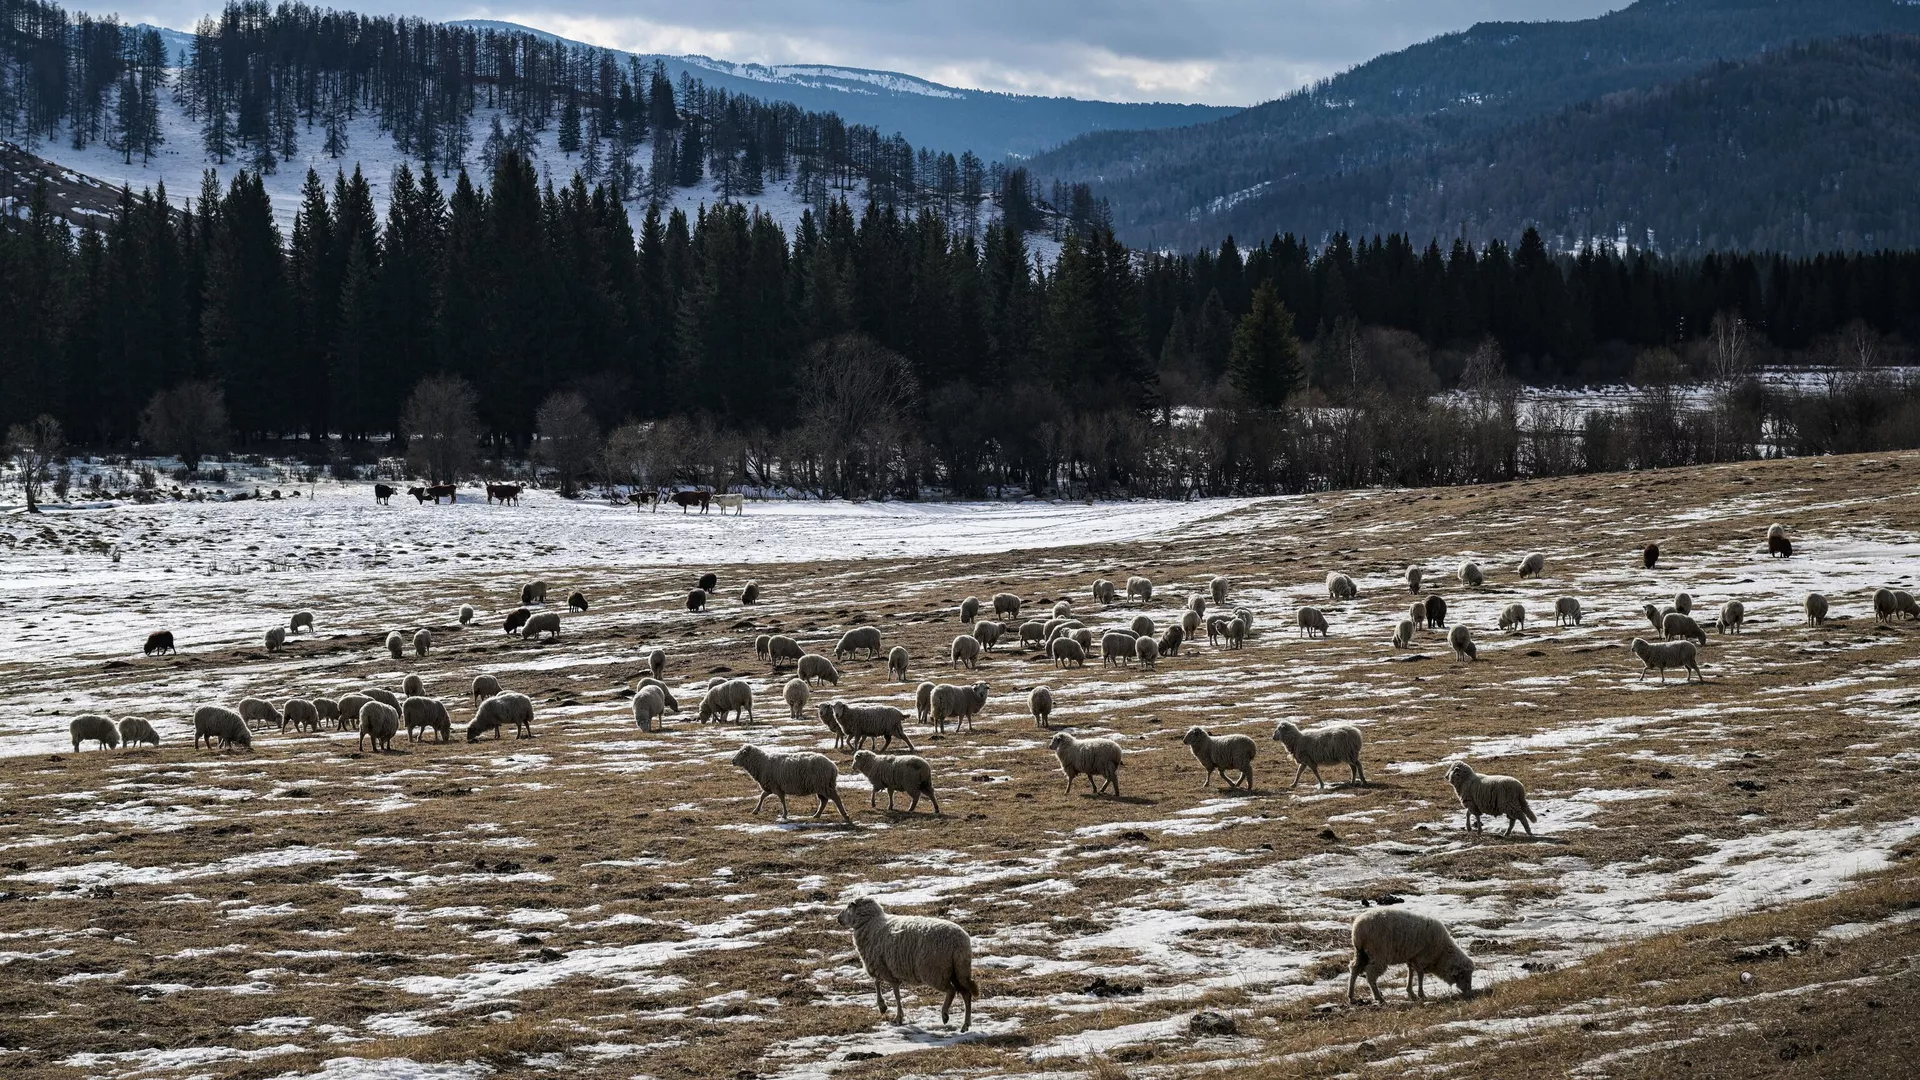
[696, 599]
[1683, 603]
[499, 711]
[92, 727]
[923, 701]
[1884, 607]
[1904, 603]
[1533, 565]
[379, 722]
[965, 651]
[781, 649]
[666, 695]
[377, 694]
[1062, 610]
[1033, 632]
[916, 950]
[1312, 620]
[1386, 936]
[577, 601]
[1147, 650]
[796, 694]
[1221, 754]
[299, 714]
[1171, 641]
[348, 710]
[1566, 611]
[1733, 614]
[1485, 796]
[1661, 655]
[212, 722]
[949, 701]
[1141, 626]
[1417, 615]
[1236, 631]
[904, 773]
[657, 661]
[782, 774]
[422, 641]
[533, 592]
[709, 582]
[1197, 604]
[1460, 639]
[1040, 704]
[859, 639]
[1104, 591]
[134, 731]
[1190, 622]
[1338, 744]
[750, 594]
[897, 663]
[1096, 759]
[258, 710]
[516, 619]
[1650, 556]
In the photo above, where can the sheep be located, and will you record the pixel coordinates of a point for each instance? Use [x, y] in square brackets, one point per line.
[923, 701]
[423, 639]
[1148, 652]
[1683, 603]
[158, 641]
[1190, 623]
[516, 619]
[422, 713]
[1096, 759]
[484, 686]
[374, 693]
[1236, 632]
[545, 622]
[708, 582]
[1219, 753]
[1417, 615]
[1197, 604]
[1084, 636]
[874, 724]
[1403, 634]
[666, 694]
[1884, 608]
[817, 669]
[1904, 604]
[299, 714]
[1142, 626]
[1171, 641]
[949, 701]
[965, 651]
[696, 599]
[733, 696]
[796, 694]
[302, 620]
[212, 722]
[1217, 586]
[782, 774]
[1340, 586]
[500, 710]
[396, 645]
[1311, 619]
[1664, 655]
[1067, 651]
[657, 661]
[1245, 617]
[1816, 605]
[1104, 592]
[760, 646]
[1566, 611]
[1676, 625]
[856, 639]
[1533, 565]
[327, 708]
[1116, 647]
[969, 609]
[1062, 609]
[897, 663]
[1054, 627]
[466, 614]
[1040, 704]
[1387, 936]
[750, 594]
[576, 601]
[1500, 796]
[988, 632]
[95, 728]
[533, 592]
[1414, 574]
[1513, 617]
[1460, 639]
[1777, 542]
[650, 704]
[347, 710]
[1436, 612]
[907, 774]
[897, 949]
[1650, 555]
[379, 722]
[260, 709]
[1139, 587]
[1470, 574]
[780, 648]
[1033, 631]
[1335, 745]
[1006, 605]
[826, 718]
[1776, 529]
[1652, 614]
[1733, 614]
[135, 731]
[276, 637]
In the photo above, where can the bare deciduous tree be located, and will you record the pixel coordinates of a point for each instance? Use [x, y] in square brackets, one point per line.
[443, 431]
[1728, 351]
[35, 446]
[566, 438]
[857, 396]
[188, 421]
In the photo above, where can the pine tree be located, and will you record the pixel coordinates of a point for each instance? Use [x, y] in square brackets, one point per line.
[692, 157]
[570, 125]
[1265, 362]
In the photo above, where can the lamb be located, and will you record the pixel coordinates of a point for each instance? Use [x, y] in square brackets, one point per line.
[1067, 651]
[1219, 753]
[782, 774]
[897, 663]
[1566, 611]
[1096, 759]
[696, 599]
[796, 695]
[484, 686]
[988, 633]
[907, 774]
[1414, 574]
[347, 710]
[1499, 796]
[516, 619]
[751, 593]
[1436, 612]
[817, 669]
[708, 582]
[650, 704]
[1664, 655]
[1386, 936]
[299, 714]
[1403, 634]
[897, 949]
[92, 727]
[856, 639]
[657, 661]
[1033, 631]
[734, 697]
[134, 731]
[1533, 565]
[1816, 605]
[212, 722]
[158, 641]
[1676, 625]
[500, 710]
[948, 701]
[780, 647]
[1140, 587]
[1884, 607]
[1470, 574]
[1142, 626]
[577, 601]
[1148, 652]
[396, 645]
[969, 609]
[1460, 639]
[1171, 641]
[1683, 603]
[1335, 745]
[533, 592]
[1040, 704]
[379, 722]
[965, 651]
[1116, 647]
[1650, 555]
[302, 620]
[1062, 609]
[879, 724]
[1513, 617]
[1341, 587]
[923, 702]
[258, 709]
[466, 614]
[1777, 542]
[422, 713]
[423, 639]
[1104, 592]
[276, 637]
[1006, 605]
[1733, 613]
[1310, 620]
[544, 622]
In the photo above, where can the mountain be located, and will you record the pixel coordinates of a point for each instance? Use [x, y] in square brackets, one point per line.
[993, 125]
[1191, 186]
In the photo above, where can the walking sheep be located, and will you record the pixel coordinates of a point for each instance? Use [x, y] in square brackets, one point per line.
[1470, 575]
[948, 701]
[904, 773]
[1221, 753]
[1040, 704]
[969, 609]
[1236, 632]
[545, 622]
[424, 713]
[1436, 612]
[923, 702]
[1533, 565]
[1733, 614]
[782, 774]
[897, 663]
[1335, 745]
[751, 593]
[859, 638]
[276, 637]
[260, 710]
[302, 620]
[1675, 625]
[300, 714]
[876, 725]
[1006, 605]
[1498, 796]
[423, 639]
[1033, 632]
[897, 949]
[1341, 587]
[1566, 611]
[1096, 759]
[1816, 609]
[1513, 617]
[1218, 587]
[135, 731]
[1666, 654]
[92, 727]
[212, 722]
[988, 632]
[1139, 588]
[1171, 641]
[347, 710]
[1403, 634]
[1386, 936]
[1311, 620]
[1460, 639]
[499, 711]
[396, 645]
[965, 651]
[817, 669]
[577, 601]
[379, 722]
[1414, 574]
[650, 706]
[730, 698]
[533, 592]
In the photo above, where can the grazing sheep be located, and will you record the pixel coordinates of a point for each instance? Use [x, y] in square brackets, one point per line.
[796, 694]
[1190, 623]
[897, 663]
[379, 722]
[302, 620]
[1460, 639]
[1676, 625]
[949, 701]
[1220, 753]
[1147, 651]
[374, 693]
[731, 697]
[657, 661]
[1403, 634]
[780, 648]
[904, 773]
[923, 701]
[1197, 605]
[1067, 651]
[276, 637]
[1310, 620]
[1903, 603]
[1096, 759]
[988, 633]
[516, 619]
[1104, 592]
[1084, 636]
[1668, 654]
[760, 646]
[212, 722]
[1055, 627]
[1733, 613]
[1436, 612]
[969, 609]
[1139, 588]
[1414, 574]
[533, 592]
[423, 639]
[328, 708]
[650, 704]
[1062, 609]
[1499, 796]
[696, 600]
[897, 949]
[484, 686]
[965, 651]
[1335, 745]
[751, 593]
[577, 601]
[423, 713]
[1884, 607]
[347, 710]
[1217, 586]
[1040, 704]
[1387, 936]
[1470, 575]
[1683, 603]
[782, 774]
[1142, 626]
[134, 731]
[1341, 587]
[856, 639]
[666, 695]
[1566, 611]
[500, 710]
[1417, 615]
[1236, 632]
[95, 728]
[1006, 605]
[412, 685]
[396, 644]
[1650, 555]
[1171, 641]
[158, 641]
[300, 714]
[254, 709]
[877, 725]
[817, 669]
[545, 622]
[1777, 542]
[1116, 647]
[466, 614]
[1533, 565]
[1034, 632]
[1513, 617]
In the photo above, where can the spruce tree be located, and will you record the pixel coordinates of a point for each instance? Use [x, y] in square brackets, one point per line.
[570, 125]
[1265, 362]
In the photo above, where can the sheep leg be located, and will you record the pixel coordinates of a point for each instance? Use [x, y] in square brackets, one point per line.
[872, 794]
[1113, 784]
[899, 1013]
[848, 818]
[1316, 776]
[880, 996]
[1070, 777]
[936, 803]
[1359, 777]
[905, 739]
[762, 801]
[1410, 977]
[1297, 773]
[946, 1007]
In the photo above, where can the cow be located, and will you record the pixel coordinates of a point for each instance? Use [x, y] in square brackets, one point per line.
[436, 492]
[506, 493]
[737, 501]
[382, 492]
[645, 498]
[702, 499]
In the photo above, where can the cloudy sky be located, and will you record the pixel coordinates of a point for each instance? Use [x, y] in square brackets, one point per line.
[1228, 52]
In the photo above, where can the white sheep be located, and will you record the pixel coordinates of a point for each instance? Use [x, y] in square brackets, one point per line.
[499, 711]
[666, 694]
[782, 774]
[988, 632]
[1116, 647]
[873, 724]
[1311, 619]
[817, 669]
[1033, 632]
[1062, 609]
[949, 701]
[969, 609]
[657, 661]
[1197, 604]
[92, 727]
[650, 705]
[780, 648]
[1139, 588]
[1733, 614]
[302, 620]
[1142, 626]
[1236, 631]
[212, 722]
[1065, 651]
[897, 949]
[544, 622]
[1675, 625]
[1147, 651]
[1483, 795]
[1460, 639]
[466, 614]
[412, 685]
[857, 639]
[1533, 565]
[1096, 759]
[1683, 603]
[1417, 614]
[1884, 606]
[1221, 753]
[276, 637]
[796, 694]
[897, 663]
[484, 686]
[1414, 574]
[533, 592]
[904, 773]
[1666, 654]
[1403, 634]
[750, 593]
[1566, 611]
[379, 722]
[1006, 605]
[965, 651]
[258, 710]
[423, 713]
[1340, 586]
[1218, 587]
[923, 701]
[1904, 603]
[827, 720]
[1190, 623]
[135, 731]
[377, 694]
[730, 698]
[1104, 592]
[1816, 605]
[1471, 575]
[300, 714]
[347, 710]
[1386, 936]
[1040, 704]
[396, 645]
[1338, 744]
[1513, 617]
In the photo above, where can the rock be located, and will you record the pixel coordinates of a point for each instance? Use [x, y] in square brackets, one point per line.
[1211, 1023]
[1100, 987]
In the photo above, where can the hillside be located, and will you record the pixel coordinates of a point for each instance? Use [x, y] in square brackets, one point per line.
[1179, 188]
